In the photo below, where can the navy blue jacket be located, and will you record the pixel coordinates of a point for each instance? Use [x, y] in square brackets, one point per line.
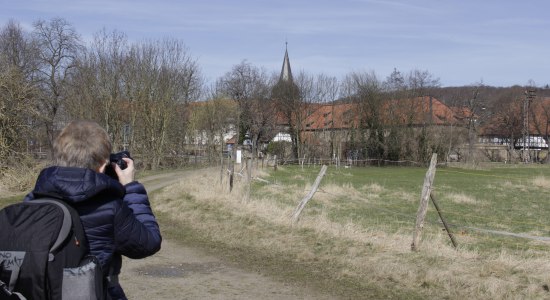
[117, 219]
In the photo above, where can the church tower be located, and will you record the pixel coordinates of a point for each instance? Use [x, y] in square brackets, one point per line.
[286, 72]
[286, 96]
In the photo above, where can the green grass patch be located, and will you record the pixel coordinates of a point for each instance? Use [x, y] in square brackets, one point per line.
[500, 198]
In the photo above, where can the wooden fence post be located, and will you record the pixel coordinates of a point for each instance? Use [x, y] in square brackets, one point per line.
[249, 162]
[304, 201]
[231, 174]
[423, 208]
[222, 169]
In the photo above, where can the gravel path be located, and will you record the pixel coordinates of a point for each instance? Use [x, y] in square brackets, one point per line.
[183, 272]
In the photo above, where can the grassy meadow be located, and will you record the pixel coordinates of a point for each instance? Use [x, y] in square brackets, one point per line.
[353, 237]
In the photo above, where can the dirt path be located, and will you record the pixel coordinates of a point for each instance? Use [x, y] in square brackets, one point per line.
[182, 272]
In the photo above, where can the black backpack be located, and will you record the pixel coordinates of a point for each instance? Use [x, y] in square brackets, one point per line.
[44, 253]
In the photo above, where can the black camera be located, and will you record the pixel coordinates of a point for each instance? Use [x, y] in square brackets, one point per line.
[117, 158]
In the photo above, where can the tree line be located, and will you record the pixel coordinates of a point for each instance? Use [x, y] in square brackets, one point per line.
[137, 91]
[147, 95]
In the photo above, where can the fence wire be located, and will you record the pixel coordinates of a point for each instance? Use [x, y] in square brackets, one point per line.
[409, 218]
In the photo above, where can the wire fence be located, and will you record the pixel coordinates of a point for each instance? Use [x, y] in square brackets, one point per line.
[271, 160]
[464, 220]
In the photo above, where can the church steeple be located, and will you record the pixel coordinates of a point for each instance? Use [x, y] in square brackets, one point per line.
[286, 73]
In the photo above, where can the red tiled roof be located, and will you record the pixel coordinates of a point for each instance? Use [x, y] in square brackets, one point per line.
[414, 112]
[337, 116]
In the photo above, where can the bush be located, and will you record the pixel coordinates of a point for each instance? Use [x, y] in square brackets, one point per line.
[281, 149]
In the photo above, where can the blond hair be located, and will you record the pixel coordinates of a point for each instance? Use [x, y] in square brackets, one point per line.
[82, 144]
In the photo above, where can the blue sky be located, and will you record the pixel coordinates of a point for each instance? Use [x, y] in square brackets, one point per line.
[462, 42]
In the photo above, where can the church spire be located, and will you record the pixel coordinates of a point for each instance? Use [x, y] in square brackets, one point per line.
[286, 73]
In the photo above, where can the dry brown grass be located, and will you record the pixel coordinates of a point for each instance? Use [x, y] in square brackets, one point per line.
[15, 180]
[407, 197]
[371, 255]
[541, 182]
[331, 194]
[461, 198]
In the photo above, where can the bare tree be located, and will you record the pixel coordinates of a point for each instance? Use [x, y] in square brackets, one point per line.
[140, 93]
[161, 79]
[308, 94]
[249, 86]
[59, 45]
[17, 93]
[541, 120]
[97, 89]
[366, 92]
[17, 97]
[18, 50]
[210, 120]
[395, 85]
[396, 92]
[327, 92]
[420, 83]
[476, 107]
[507, 120]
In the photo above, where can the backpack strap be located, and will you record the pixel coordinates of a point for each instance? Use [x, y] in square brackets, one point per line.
[65, 227]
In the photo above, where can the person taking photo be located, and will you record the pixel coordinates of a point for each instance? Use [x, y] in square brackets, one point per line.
[115, 213]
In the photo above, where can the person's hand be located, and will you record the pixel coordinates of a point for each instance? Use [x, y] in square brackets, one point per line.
[127, 175]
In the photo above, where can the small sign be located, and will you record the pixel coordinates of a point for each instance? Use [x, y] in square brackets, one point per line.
[239, 155]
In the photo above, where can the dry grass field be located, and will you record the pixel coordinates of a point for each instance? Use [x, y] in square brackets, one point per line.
[353, 238]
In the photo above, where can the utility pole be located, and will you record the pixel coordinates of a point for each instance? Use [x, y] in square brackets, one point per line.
[529, 96]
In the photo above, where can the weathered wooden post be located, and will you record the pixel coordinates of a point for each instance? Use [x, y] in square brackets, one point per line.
[222, 168]
[304, 201]
[423, 208]
[275, 164]
[231, 174]
[249, 176]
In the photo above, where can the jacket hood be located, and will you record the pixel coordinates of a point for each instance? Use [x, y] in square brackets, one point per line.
[76, 184]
